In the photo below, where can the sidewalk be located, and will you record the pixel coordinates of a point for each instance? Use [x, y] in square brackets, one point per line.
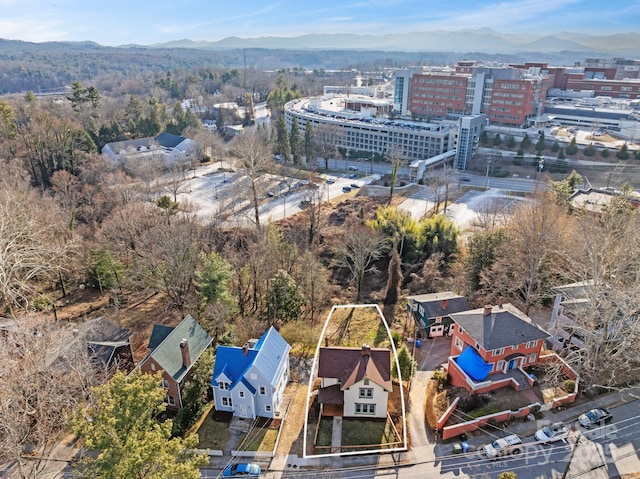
[528, 428]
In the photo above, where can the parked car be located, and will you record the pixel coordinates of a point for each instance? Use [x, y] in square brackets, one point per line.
[554, 432]
[242, 469]
[465, 178]
[346, 189]
[270, 194]
[595, 417]
[352, 175]
[511, 444]
[353, 168]
[355, 185]
[331, 180]
[597, 143]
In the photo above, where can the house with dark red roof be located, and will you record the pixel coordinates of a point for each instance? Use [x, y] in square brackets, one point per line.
[354, 382]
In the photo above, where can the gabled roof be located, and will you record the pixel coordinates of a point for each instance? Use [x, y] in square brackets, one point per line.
[103, 338]
[441, 304]
[158, 334]
[164, 140]
[352, 365]
[168, 354]
[505, 326]
[266, 356]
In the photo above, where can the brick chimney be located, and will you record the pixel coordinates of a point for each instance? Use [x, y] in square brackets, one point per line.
[366, 350]
[326, 342]
[245, 349]
[184, 350]
[487, 310]
[444, 304]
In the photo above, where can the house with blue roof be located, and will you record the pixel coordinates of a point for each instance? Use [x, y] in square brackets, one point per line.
[249, 381]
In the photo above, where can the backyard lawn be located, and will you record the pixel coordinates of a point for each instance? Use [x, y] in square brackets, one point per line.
[262, 438]
[353, 327]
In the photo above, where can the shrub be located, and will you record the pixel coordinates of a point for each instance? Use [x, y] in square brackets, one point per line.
[605, 153]
[589, 150]
[507, 475]
[569, 385]
[497, 140]
[440, 377]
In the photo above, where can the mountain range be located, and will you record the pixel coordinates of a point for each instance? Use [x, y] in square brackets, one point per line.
[483, 40]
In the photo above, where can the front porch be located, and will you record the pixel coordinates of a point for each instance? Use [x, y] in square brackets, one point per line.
[515, 378]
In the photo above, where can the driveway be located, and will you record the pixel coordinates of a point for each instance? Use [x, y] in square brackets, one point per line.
[429, 355]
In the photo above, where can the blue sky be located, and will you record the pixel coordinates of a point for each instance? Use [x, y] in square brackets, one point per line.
[117, 22]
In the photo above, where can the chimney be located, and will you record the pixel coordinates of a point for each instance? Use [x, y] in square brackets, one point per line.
[245, 349]
[500, 301]
[184, 350]
[487, 310]
[366, 350]
[444, 304]
[326, 342]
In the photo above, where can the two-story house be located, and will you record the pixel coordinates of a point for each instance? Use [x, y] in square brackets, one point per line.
[174, 351]
[354, 382]
[491, 345]
[431, 311]
[249, 381]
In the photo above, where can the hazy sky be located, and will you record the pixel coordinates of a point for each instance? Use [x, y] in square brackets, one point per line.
[118, 22]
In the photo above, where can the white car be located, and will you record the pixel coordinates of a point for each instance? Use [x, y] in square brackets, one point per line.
[554, 432]
[502, 447]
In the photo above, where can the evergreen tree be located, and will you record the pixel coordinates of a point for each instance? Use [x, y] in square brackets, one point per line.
[511, 141]
[295, 142]
[526, 142]
[623, 152]
[589, 150]
[282, 140]
[497, 141]
[121, 423]
[484, 137]
[309, 144]
[572, 147]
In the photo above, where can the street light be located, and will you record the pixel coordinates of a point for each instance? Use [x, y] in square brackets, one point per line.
[539, 170]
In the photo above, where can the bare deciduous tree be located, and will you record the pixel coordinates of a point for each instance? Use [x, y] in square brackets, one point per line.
[327, 139]
[252, 151]
[45, 373]
[33, 245]
[359, 248]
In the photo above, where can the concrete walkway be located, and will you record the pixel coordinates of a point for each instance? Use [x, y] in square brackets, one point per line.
[336, 434]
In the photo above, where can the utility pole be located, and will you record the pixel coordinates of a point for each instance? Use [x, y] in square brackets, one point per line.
[573, 452]
[488, 164]
[372, 162]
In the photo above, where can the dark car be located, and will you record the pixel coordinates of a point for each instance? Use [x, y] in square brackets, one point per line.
[465, 178]
[355, 185]
[331, 180]
[241, 469]
[595, 417]
[346, 189]
[353, 168]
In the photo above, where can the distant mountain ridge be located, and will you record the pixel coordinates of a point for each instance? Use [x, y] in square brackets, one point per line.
[483, 40]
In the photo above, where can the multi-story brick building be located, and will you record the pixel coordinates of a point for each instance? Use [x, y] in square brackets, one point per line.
[508, 95]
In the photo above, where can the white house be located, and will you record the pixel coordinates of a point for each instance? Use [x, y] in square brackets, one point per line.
[355, 382]
[249, 381]
[166, 147]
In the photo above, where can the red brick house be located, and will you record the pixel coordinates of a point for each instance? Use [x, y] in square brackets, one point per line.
[174, 351]
[490, 346]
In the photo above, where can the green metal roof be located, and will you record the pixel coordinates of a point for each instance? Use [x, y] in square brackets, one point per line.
[168, 353]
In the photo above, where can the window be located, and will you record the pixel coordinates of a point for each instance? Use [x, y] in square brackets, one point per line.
[499, 366]
[263, 391]
[460, 329]
[170, 400]
[531, 344]
[366, 393]
[223, 386]
[366, 381]
[267, 408]
[165, 384]
[365, 408]
[227, 402]
[439, 319]
[241, 394]
[153, 366]
[497, 352]
[477, 347]
[459, 343]
[532, 358]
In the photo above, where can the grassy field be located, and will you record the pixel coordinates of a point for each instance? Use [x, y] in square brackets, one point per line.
[353, 327]
[263, 440]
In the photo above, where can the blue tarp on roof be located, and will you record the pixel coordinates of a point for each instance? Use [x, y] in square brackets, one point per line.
[473, 365]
